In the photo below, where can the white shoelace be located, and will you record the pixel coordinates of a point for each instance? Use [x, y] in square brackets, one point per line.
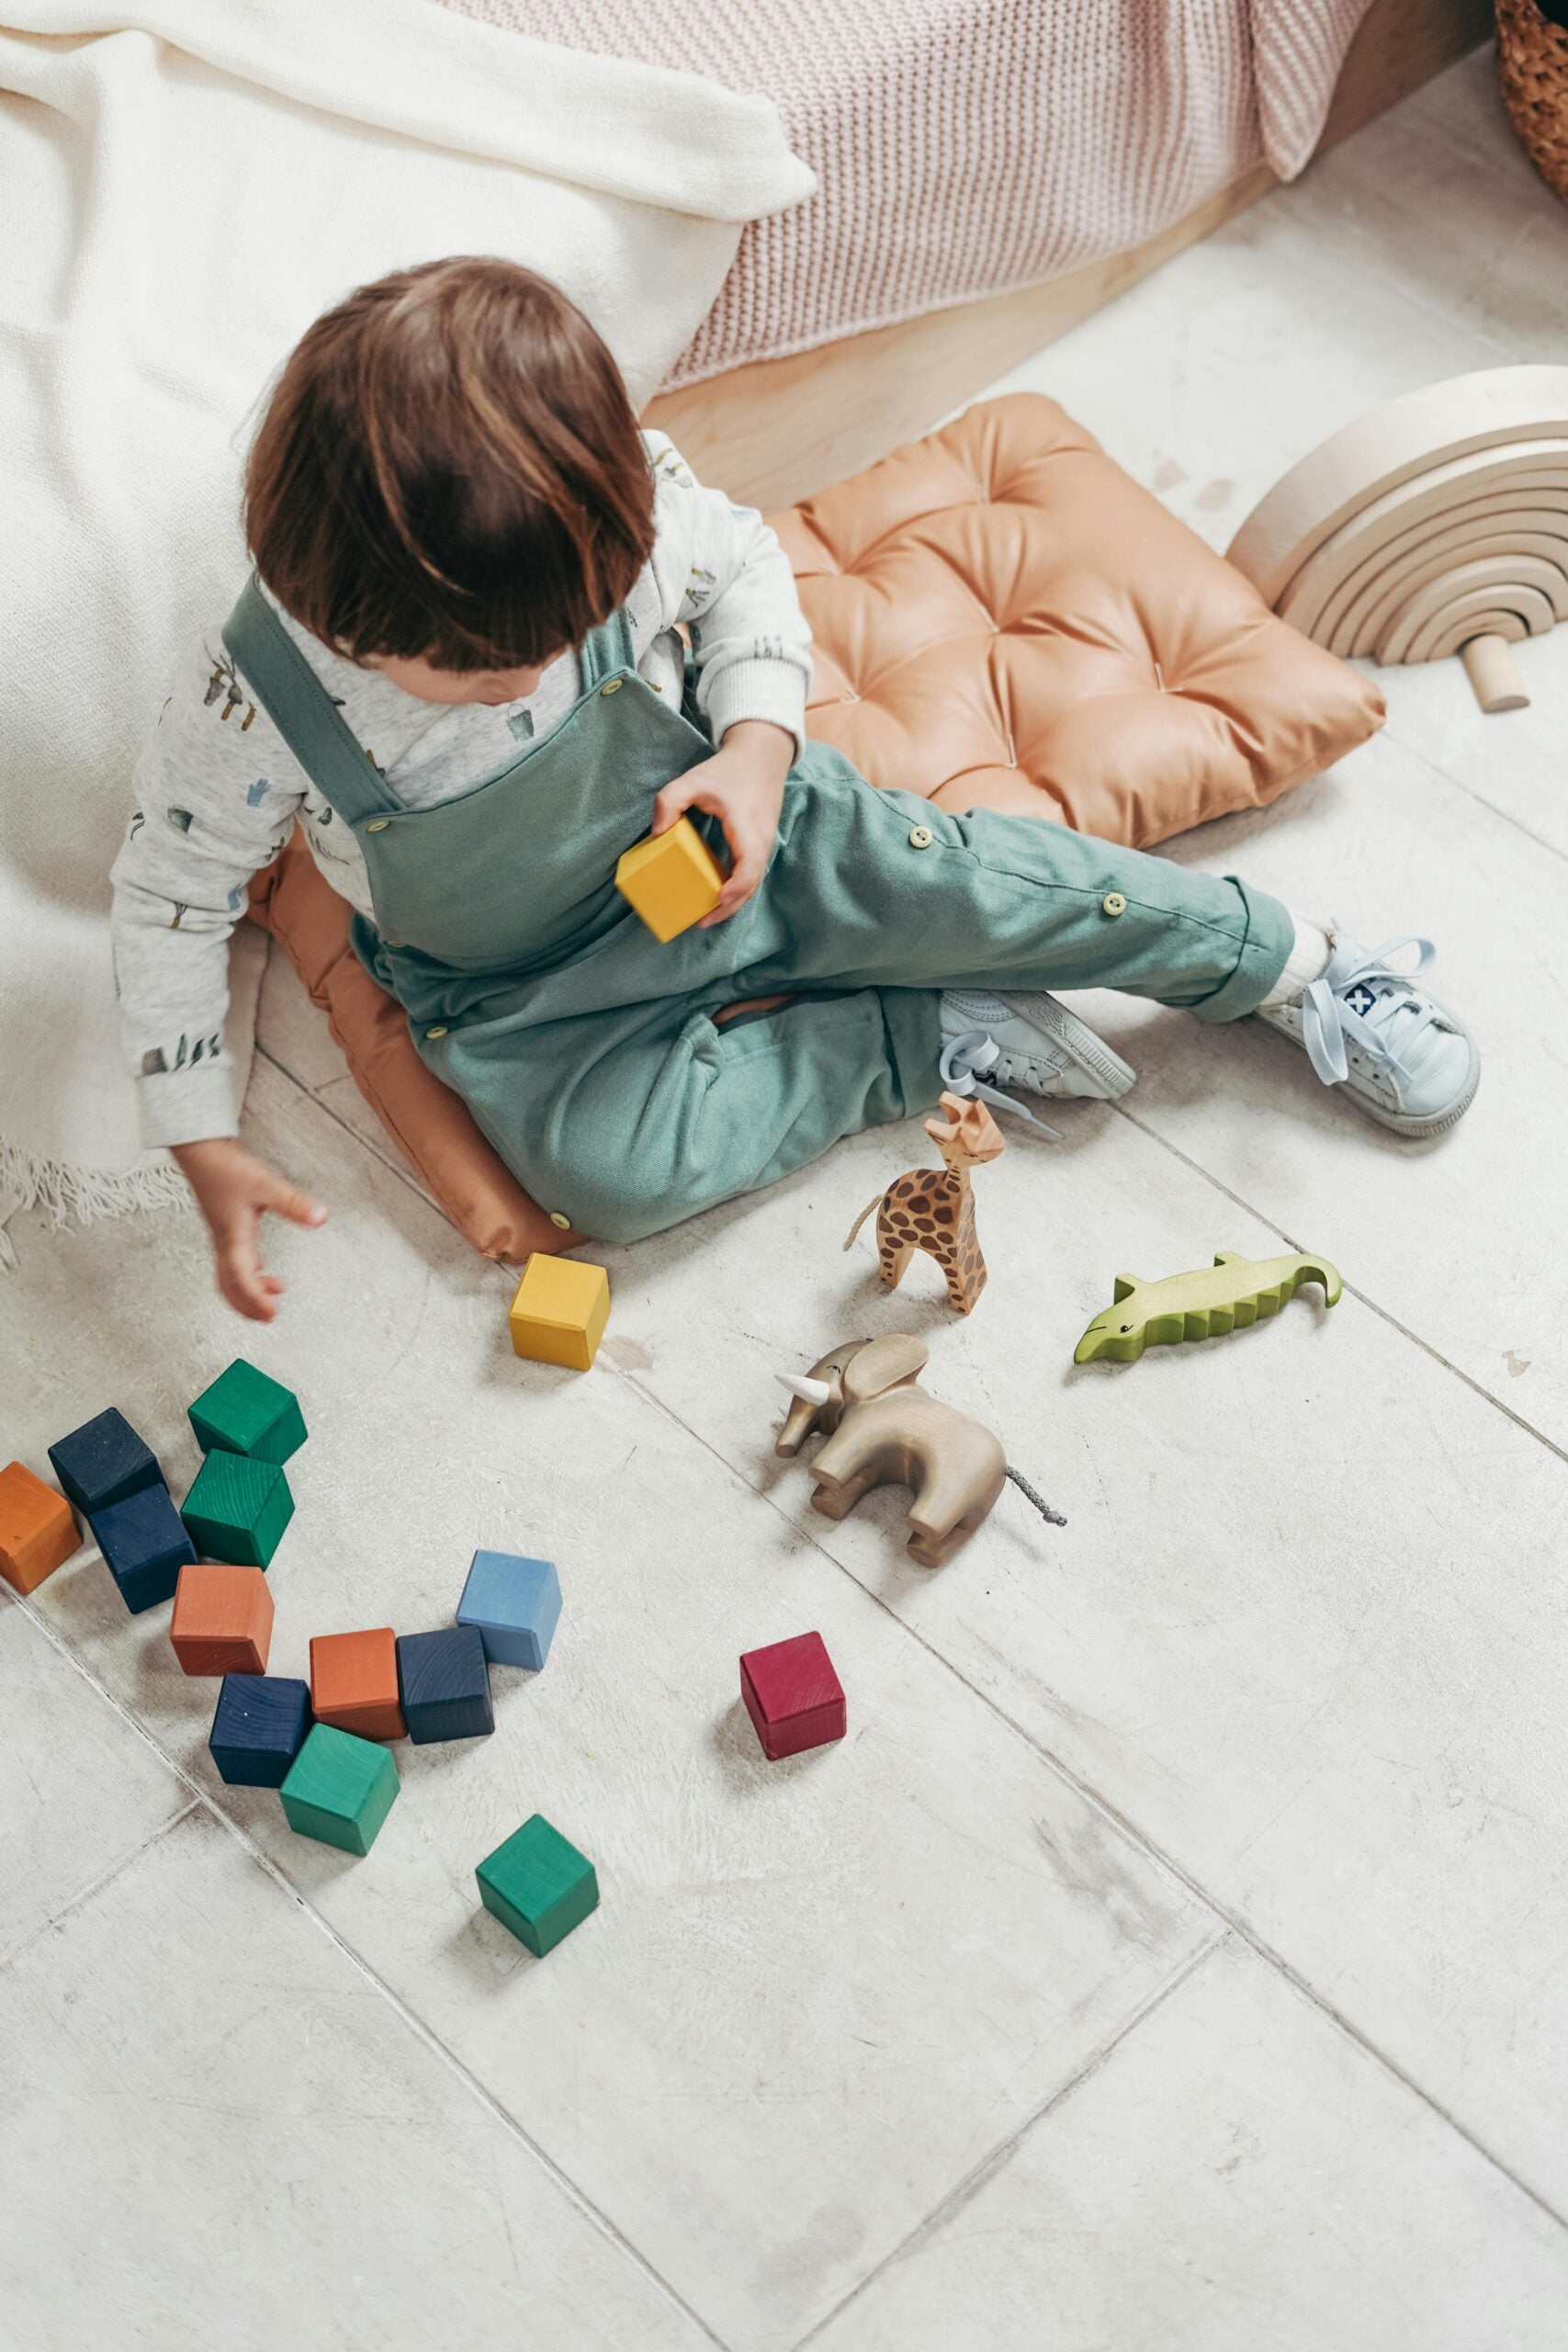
[969, 1060]
[1340, 1007]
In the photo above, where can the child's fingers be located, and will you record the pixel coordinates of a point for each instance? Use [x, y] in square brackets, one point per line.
[239, 1276]
[675, 800]
[285, 1199]
[748, 856]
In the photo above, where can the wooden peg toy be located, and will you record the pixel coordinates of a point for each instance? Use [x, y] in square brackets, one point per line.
[671, 880]
[339, 1790]
[559, 1312]
[258, 1728]
[934, 1210]
[245, 1411]
[513, 1604]
[223, 1620]
[538, 1885]
[38, 1531]
[354, 1683]
[793, 1695]
[145, 1545]
[103, 1462]
[237, 1508]
[444, 1685]
[1227, 1296]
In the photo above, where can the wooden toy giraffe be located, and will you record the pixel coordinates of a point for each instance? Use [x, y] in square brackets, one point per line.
[933, 1210]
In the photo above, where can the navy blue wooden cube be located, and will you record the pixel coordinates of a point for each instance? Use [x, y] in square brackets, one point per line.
[103, 1462]
[259, 1728]
[443, 1684]
[145, 1543]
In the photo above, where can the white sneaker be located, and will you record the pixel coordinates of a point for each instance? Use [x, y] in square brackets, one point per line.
[1028, 1041]
[1402, 1058]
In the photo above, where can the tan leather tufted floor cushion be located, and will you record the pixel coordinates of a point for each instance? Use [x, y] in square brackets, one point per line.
[1003, 619]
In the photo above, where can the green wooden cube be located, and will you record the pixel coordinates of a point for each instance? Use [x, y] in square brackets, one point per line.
[238, 1508]
[340, 1788]
[538, 1885]
[246, 1412]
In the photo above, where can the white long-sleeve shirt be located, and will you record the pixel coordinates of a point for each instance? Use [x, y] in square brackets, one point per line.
[217, 788]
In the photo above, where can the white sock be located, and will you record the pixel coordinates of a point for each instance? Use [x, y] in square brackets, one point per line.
[1310, 953]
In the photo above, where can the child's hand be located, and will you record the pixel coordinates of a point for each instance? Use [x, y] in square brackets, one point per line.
[742, 785]
[234, 1190]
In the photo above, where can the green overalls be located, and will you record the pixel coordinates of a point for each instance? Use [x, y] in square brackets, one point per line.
[587, 1052]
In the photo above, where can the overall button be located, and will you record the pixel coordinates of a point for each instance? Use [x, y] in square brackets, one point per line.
[377, 824]
[394, 944]
[611, 686]
[920, 837]
[558, 1217]
[439, 1030]
[1113, 903]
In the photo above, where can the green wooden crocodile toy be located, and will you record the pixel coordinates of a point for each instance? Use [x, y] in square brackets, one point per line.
[1227, 1296]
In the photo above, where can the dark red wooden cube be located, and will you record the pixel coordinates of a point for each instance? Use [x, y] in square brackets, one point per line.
[793, 1696]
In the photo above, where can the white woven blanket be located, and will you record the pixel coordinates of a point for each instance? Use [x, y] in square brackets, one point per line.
[184, 185]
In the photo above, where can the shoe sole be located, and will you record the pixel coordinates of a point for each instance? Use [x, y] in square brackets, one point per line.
[1437, 1123]
[1412, 1127]
[1079, 1042]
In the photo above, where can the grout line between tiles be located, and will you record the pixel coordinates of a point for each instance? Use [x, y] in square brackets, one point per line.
[1144, 1843]
[1361, 1297]
[105, 1878]
[201, 1801]
[1419, 752]
[976, 2178]
[383, 1160]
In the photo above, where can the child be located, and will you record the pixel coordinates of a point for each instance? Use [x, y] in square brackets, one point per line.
[458, 665]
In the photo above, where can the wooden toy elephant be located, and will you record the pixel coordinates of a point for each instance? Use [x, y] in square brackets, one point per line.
[885, 1429]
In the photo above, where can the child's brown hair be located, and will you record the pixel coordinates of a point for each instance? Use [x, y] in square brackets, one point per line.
[449, 468]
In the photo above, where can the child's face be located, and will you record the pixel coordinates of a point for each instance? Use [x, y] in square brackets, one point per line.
[416, 676]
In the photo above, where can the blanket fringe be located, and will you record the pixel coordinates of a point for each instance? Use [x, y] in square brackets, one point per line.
[75, 1195]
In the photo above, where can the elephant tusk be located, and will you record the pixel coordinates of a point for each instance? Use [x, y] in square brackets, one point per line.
[810, 1392]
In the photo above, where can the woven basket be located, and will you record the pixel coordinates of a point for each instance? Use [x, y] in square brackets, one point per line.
[1532, 66]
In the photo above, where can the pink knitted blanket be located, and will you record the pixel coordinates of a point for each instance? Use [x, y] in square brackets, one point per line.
[966, 147]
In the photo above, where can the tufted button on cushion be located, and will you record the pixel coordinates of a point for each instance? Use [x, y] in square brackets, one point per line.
[1004, 619]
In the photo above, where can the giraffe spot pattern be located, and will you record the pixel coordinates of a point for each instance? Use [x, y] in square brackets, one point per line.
[933, 1213]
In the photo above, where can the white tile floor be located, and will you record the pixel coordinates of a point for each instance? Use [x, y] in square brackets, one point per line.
[1173, 1956]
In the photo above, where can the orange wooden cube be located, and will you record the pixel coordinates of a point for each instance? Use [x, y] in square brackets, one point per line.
[223, 1620]
[37, 1528]
[354, 1683]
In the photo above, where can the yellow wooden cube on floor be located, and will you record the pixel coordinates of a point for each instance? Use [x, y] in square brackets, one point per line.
[560, 1311]
[672, 882]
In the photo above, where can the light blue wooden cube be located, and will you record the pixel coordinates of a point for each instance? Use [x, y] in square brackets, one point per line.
[513, 1604]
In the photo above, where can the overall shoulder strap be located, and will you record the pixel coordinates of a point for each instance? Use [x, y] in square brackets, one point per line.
[301, 709]
[605, 650]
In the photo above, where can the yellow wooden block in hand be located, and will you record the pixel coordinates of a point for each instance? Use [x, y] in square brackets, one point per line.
[560, 1311]
[671, 880]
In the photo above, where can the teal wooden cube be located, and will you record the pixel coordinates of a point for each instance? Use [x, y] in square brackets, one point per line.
[538, 1885]
[245, 1411]
[238, 1508]
[340, 1788]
